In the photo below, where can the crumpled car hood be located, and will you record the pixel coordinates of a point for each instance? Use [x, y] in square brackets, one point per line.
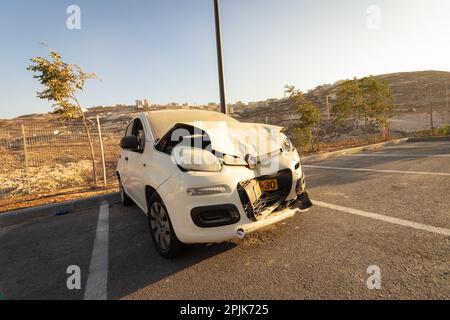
[241, 139]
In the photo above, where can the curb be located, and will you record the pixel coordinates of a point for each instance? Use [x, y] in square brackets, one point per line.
[72, 206]
[343, 152]
[429, 139]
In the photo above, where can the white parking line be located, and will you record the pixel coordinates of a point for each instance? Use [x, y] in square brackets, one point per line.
[414, 146]
[381, 171]
[401, 222]
[96, 284]
[398, 155]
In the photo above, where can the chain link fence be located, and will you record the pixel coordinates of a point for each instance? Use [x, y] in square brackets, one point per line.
[43, 160]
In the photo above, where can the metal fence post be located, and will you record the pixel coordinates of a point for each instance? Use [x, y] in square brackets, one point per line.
[102, 150]
[27, 170]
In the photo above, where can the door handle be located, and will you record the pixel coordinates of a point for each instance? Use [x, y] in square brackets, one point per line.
[126, 158]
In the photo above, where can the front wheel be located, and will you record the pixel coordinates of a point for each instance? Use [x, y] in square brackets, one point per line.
[161, 229]
[124, 198]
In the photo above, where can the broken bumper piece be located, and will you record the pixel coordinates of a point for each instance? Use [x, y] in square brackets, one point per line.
[303, 202]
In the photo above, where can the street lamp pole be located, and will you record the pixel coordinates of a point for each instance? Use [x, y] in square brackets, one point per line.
[446, 93]
[431, 112]
[223, 105]
[328, 107]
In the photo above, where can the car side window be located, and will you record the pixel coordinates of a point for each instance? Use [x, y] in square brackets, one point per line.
[138, 132]
[129, 129]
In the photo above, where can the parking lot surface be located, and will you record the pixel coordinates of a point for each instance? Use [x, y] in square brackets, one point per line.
[388, 209]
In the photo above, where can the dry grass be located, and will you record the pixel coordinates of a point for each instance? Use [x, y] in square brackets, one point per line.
[322, 147]
[46, 177]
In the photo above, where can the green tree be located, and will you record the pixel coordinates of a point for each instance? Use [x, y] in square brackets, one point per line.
[349, 100]
[369, 97]
[61, 82]
[309, 118]
[379, 102]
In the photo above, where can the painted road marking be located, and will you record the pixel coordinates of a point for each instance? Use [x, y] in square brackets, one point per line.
[381, 171]
[96, 285]
[398, 155]
[440, 145]
[401, 222]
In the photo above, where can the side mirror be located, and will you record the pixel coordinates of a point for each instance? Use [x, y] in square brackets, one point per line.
[129, 143]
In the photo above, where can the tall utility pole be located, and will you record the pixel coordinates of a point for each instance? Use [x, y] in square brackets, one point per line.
[431, 113]
[446, 93]
[223, 104]
[328, 106]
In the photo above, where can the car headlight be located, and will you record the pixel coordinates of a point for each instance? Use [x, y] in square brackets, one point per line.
[234, 161]
[194, 159]
[204, 191]
[287, 145]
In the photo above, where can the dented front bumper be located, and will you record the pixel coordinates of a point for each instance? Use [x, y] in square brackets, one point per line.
[190, 223]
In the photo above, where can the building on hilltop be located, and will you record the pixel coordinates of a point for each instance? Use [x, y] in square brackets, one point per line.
[141, 104]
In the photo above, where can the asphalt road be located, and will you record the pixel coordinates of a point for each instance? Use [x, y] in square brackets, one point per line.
[389, 209]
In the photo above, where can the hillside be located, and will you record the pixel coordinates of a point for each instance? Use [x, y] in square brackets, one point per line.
[410, 90]
[414, 93]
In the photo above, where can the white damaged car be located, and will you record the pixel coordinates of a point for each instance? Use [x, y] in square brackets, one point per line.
[204, 177]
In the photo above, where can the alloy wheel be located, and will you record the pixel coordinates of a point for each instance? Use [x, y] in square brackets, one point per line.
[159, 224]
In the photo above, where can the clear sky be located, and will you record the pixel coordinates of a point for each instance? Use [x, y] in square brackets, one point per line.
[164, 50]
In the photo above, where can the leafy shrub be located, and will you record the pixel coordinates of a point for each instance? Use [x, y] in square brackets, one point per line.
[445, 130]
[302, 138]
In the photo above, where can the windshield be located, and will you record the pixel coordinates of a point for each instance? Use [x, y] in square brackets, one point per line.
[163, 121]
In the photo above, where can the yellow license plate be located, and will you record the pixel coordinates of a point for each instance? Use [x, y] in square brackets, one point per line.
[268, 185]
[253, 191]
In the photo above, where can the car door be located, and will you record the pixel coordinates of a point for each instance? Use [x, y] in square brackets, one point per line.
[136, 164]
[123, 166]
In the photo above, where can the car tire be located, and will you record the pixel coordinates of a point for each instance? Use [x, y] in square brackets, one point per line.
[161, 229]
[124, 198]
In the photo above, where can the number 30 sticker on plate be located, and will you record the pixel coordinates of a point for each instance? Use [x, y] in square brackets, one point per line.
[269, 185]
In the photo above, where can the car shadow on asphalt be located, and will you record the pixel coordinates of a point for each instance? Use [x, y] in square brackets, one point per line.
[134, 262]
[35, 256]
